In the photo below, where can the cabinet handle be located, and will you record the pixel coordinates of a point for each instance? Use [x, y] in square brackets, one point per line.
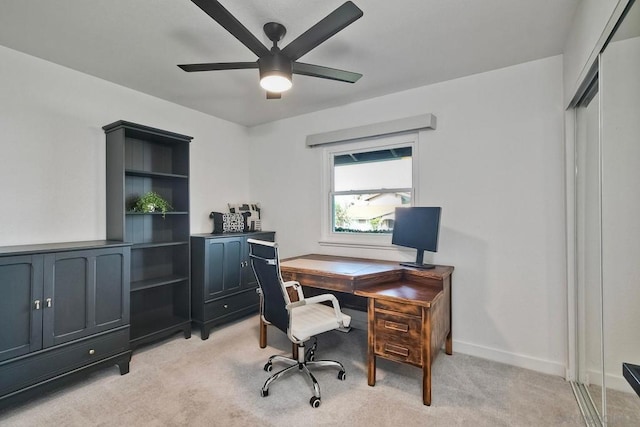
[48, 302]
[37, 304]
[92, 351]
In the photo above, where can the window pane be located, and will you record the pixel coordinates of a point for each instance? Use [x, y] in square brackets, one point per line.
[367, 212]
[379, 169]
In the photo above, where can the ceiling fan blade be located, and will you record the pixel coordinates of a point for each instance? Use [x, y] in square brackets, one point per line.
[273, 95]
[223, 17]
[327, 27]
[325, 72]
[213, 66]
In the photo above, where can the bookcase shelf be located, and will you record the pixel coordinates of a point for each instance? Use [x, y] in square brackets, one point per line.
[149, 174]
[171, 279]
[142, 159]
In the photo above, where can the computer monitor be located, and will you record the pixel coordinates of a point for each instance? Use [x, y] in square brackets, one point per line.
[418, 228]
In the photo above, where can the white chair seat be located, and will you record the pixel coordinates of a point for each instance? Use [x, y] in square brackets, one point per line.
[312, 319]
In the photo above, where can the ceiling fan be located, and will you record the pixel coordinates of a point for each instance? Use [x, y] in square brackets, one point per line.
[276, 66]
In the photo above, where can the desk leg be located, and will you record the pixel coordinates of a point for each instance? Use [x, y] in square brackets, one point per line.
[426, 356]
[426, 384]
[371, 356]
[448, 347]
[263, 333]
[371, 377]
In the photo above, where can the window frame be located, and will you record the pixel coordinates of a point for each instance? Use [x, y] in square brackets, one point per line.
[369, 240]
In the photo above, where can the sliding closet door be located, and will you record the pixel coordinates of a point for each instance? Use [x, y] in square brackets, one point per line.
[588, 251]
[620, 109]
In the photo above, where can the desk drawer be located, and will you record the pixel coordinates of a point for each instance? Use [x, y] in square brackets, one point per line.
[398, 307]
[398, 337]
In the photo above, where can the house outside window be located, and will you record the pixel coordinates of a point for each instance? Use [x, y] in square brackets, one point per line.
[364, 182]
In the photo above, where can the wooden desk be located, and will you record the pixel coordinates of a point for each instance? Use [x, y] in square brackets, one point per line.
[409, 310]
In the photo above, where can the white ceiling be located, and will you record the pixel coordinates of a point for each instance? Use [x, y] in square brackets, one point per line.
[396, 45]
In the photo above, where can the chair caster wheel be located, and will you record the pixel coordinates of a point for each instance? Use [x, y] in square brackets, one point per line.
[315, 402]
[264, 393]
[342, 375]
[268, 367]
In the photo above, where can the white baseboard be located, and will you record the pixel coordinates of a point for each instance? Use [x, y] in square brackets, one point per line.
[614, 382]
[359, 321]
[618, 382]
[515, 359]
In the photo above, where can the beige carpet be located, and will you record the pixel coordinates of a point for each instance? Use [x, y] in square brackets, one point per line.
[217, 383]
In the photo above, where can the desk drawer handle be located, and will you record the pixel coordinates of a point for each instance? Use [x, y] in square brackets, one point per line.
[402, 327]
[395, 349]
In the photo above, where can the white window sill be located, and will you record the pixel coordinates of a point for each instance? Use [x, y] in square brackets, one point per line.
[361, 245]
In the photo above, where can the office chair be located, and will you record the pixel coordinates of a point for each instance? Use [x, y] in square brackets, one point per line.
[300, 320]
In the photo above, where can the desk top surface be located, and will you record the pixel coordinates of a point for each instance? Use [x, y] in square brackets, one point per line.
[356, 268]
[343, 266]
[404, 292]
[367, 277]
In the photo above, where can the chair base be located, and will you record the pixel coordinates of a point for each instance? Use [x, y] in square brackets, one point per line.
[304, 362]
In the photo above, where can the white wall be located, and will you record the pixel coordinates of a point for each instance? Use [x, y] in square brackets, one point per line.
[52, 161]
[496, 166]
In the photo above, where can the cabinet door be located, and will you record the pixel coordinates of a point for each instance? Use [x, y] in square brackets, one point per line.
[85, 292]
[20, 305]
[224, 263]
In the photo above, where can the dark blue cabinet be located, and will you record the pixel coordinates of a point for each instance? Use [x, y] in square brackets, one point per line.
[223, 286]
[63, 307]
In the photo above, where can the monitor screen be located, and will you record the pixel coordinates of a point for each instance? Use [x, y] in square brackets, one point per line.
[417, 227]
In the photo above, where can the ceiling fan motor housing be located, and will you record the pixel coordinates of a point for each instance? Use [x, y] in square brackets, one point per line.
[276, 63]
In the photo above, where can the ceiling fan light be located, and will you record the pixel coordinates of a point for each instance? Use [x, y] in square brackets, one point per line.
[275, 83]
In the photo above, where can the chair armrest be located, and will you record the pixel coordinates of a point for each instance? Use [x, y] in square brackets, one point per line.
[330, 298]
[295, 304]
[296, 286]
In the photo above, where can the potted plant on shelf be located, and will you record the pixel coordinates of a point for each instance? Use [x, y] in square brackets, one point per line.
[152, 202]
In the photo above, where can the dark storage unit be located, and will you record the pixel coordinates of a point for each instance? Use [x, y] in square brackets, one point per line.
[632, 375]
[223, 283]
[64, 308]
[142, 159]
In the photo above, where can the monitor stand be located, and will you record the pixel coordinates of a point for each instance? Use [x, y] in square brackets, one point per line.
[416, 265]
[419, 262]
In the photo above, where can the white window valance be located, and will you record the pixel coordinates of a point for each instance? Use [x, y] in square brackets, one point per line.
[423, 121]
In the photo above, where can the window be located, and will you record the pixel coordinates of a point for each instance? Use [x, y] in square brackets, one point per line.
[364, 183]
